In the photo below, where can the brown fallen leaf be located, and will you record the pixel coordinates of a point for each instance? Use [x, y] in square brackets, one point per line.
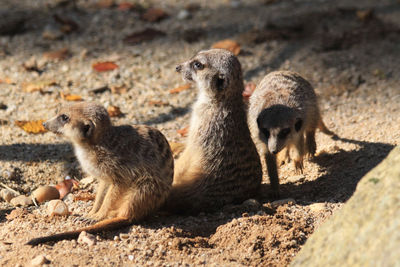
[119, 89]
[37, 85]
[126, 6]
[154, 15]
[248, 90]
[67, 25]
[104, 66]
[183, 132]
[180, 88]
[70, 97]
[84, 196]
[6, 80]
[34, 127]
[114, 111]
[106, 3]
[364, 15]
[176, 148]
[158, 103]
[66, 186]
[61, 54]
[142, 36]
[228, 44]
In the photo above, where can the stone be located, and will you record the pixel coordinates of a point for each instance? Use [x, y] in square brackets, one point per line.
[86, 238]
[57, 207]
[365, 231]
[85, 182]
[39, 260]
[21, 201]
[281, 202]
[7, 195]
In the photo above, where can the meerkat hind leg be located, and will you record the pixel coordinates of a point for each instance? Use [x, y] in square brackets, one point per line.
[272, 173]
[110, 200]
[311, 145]
[298, 150]
[101, 191]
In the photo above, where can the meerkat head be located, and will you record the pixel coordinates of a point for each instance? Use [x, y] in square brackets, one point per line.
[215, 71]
[82, 122]
[278, 125]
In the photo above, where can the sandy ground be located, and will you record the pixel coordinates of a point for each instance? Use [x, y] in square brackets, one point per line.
[350, 55]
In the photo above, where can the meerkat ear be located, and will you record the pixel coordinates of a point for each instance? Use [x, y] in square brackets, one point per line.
[88, 129]
[298, 124]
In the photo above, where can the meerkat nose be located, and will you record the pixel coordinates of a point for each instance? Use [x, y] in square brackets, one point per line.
[275, 152]
[44, 125]
[178, 68]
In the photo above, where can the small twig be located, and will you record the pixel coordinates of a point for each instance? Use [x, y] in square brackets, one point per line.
[9, 188]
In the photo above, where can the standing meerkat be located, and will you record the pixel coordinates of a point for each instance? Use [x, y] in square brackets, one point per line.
[220, 164]
[133, 164]
[284, 113]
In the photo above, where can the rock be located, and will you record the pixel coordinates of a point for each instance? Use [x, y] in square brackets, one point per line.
[7, 195]
[317, 207]
[251, 204]
[281, 202]
[39, 260]
[86, 238]
[51, 32]
[123, 236]
[85, 182]
[57, 207]
[365, 231]
[183, 14]
[21, 201]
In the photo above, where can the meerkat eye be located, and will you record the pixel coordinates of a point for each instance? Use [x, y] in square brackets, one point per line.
[197, 65]
[265, 132]
[283, 133]
[64, 118]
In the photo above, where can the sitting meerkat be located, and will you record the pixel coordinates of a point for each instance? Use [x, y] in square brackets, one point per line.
[283, 113]
[133, 164]
[220, 164]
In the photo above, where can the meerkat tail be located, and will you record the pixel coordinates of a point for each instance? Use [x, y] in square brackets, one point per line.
[105, 225]
[322, 127]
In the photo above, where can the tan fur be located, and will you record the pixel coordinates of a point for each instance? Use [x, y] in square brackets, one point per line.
[133, 164]
[220, 164]
[284, 105]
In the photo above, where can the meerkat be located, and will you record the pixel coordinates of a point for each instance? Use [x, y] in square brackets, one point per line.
[133, 165]
[219, 164]
[283, 113]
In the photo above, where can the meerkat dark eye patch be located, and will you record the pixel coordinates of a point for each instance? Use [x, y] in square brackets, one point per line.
[283, 133]
[298, 124]
[87, 129]
[63, 118]
[197, 65]
[265, 132]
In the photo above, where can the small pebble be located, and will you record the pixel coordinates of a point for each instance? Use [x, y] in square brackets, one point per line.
[86, 238]
[183, 14]
[21, 201]
[116, 238]
[130, 257]
[317, 207]
[85, 182]
[39, 260]
[280, 202]
[252, 203]
[7, 195]
[45, 193]
[57, 207]
[123, 236]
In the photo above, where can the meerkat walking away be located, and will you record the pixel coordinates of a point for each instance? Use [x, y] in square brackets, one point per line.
[284, 113]
[220, 164]
[133, 164]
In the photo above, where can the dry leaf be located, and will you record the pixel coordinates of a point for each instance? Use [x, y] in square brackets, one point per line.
[154, 15]
[84, 196]
[70, 97]
[158, 103]
[6, 80]
[228, 44]
[37, 85]
[180, 88]
[34, 127]
[105, 3]
[57, 55]
[176, 148]
[126, 6]
[364, 15]
[67, 25]
[104, 66]
[141, 36]
[114, 111]
[248, 89]
[183, 131]
[121, 89]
